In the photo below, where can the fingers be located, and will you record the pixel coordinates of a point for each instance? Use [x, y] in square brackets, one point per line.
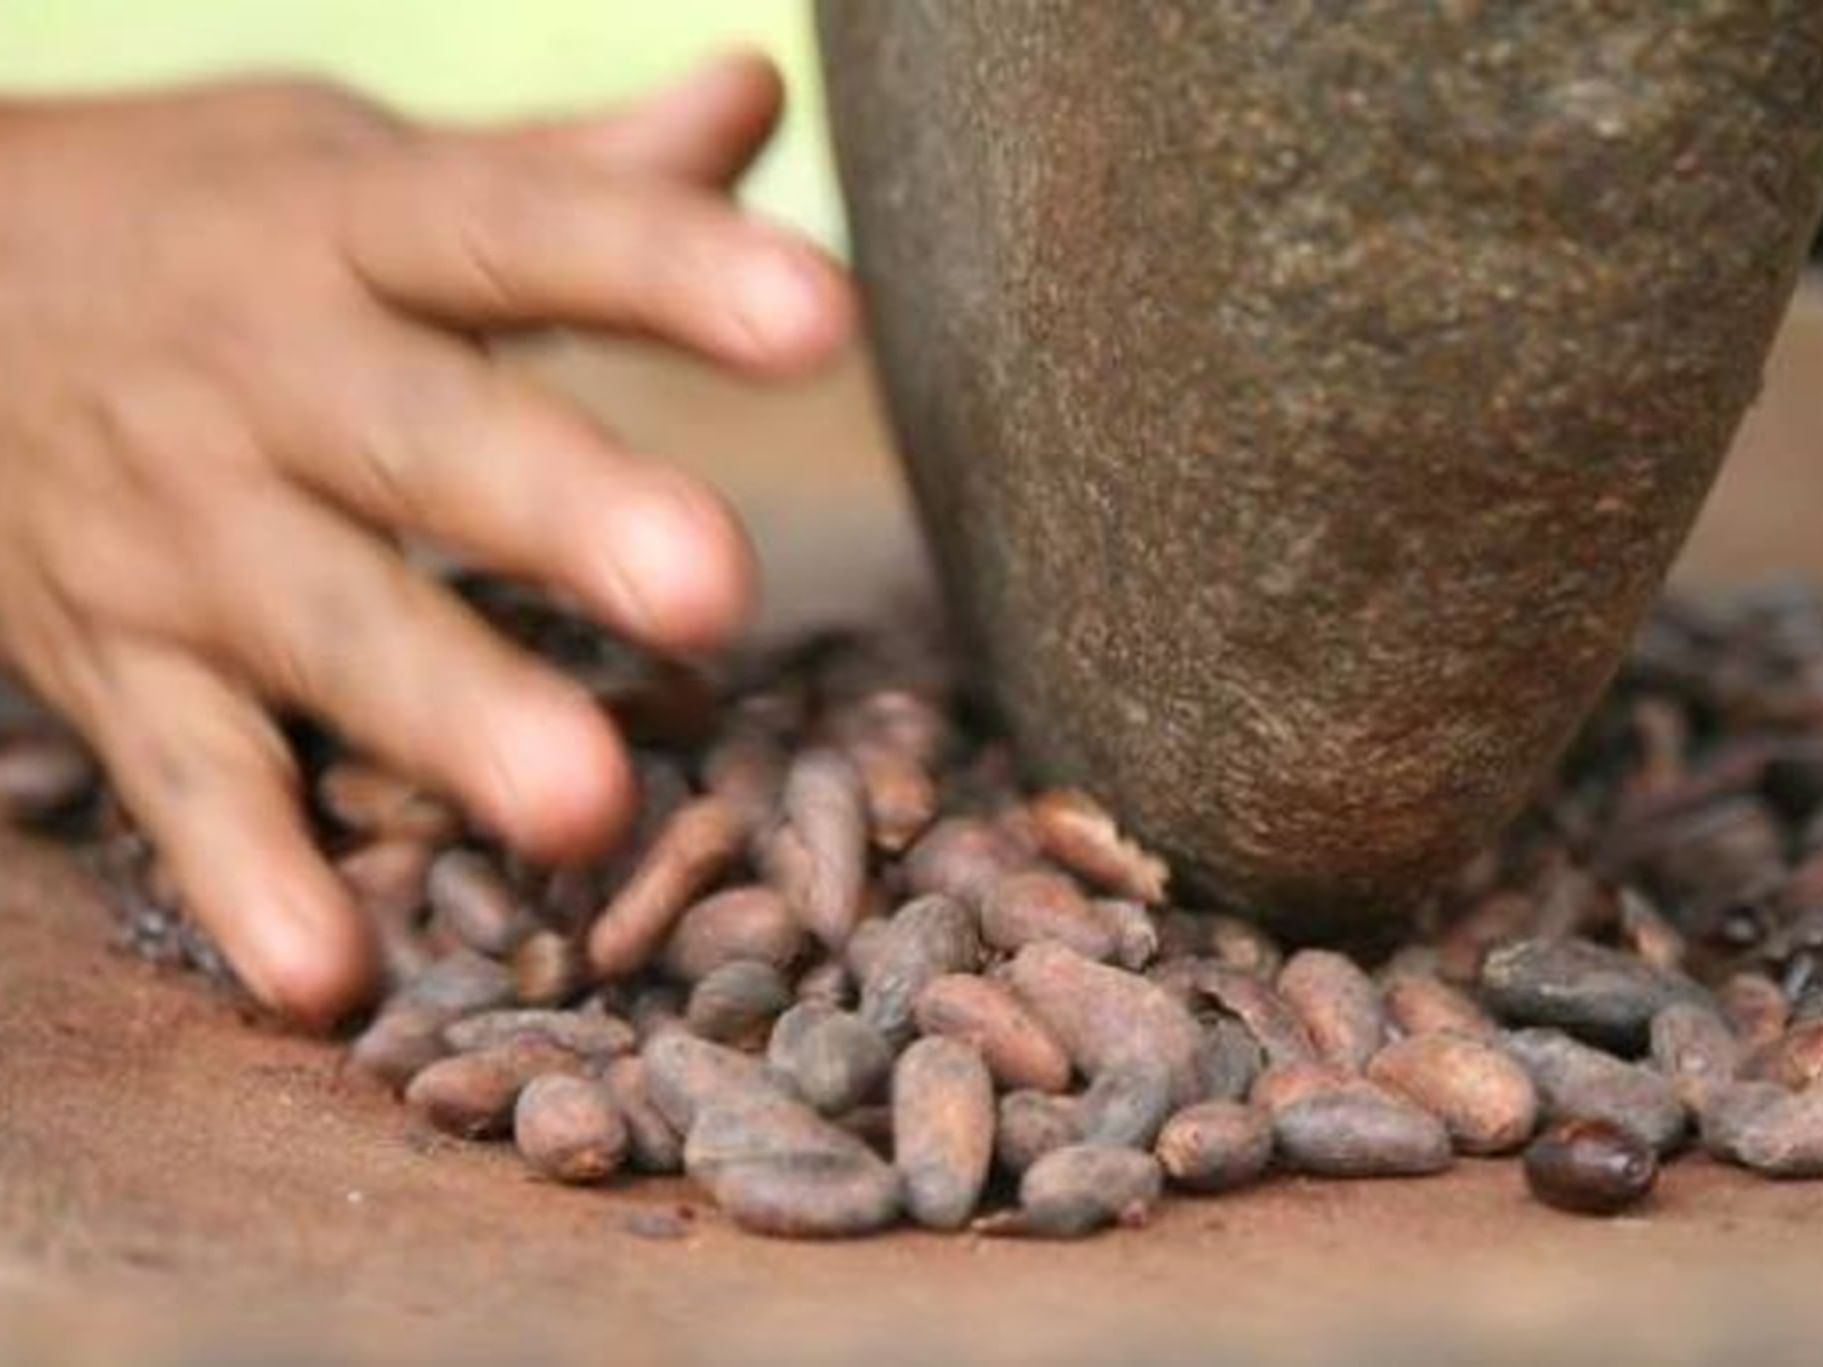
[425, 436]
[707, 127]
[488, 237]
[211, 781]
[325, 617]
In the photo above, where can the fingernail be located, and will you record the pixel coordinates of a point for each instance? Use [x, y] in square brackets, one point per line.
[780, 300]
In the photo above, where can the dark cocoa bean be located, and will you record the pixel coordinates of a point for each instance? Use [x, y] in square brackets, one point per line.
[1126, 1104]
[1228, 1060]
[1596, 993]
[1578, 1082]
[1591, 1167]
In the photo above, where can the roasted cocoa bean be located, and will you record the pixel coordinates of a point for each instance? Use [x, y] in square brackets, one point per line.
[943, 1130]
[684, 1074]
[817, 858]
[962, 857]
[1038, 904]
[924, 940]
[1216, 1146]
[1136, 938]
[1031, 1124]
[1591, 1167]
[1338, 1005]
[1228, 1060]
[737, 1003]
[1019, 1051]
[1354, 1134]
[1105, 1017]
[1793, 1060]
[751, 922]
[1259, 1007]
[1079, 1189]
[1126, 1104]
[1483, 1096]
[1762, 1126]
[1694, 1047]
[567, 1129]
[588, 1034]
[776, 1167]
[695, 846]
[472, 1095]
[1076, 831]
[375, 802]
[653, 1142]
[835, 1060]
[1755, 1008]
[1597, 994]
[1420, 1005]
[472, 899]
[1578, 1082]
[548, 969]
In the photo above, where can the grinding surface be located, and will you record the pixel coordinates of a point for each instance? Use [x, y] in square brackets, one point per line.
[1306, 400]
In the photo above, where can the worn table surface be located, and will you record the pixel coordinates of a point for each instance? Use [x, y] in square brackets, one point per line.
[177, 1184]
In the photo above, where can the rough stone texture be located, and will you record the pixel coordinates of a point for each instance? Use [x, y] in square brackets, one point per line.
[1305, 400]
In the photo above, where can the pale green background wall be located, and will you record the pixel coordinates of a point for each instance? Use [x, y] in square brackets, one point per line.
[463, 58]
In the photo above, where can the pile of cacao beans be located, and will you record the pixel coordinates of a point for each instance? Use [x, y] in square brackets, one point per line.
[848, 972]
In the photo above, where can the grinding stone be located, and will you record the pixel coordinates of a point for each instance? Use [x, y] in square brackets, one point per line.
[1305, 399]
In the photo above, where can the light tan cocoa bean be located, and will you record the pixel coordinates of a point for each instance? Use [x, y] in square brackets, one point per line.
[1079, 1189]
[372, 801]
[1337, 1003]
[1421, 1005]
[472, 1095]
[1076, 831]
[1019, 1051]
[693, 849]
[1483, 1097]
[1216, 1146]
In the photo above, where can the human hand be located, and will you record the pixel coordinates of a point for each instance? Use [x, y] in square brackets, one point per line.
[237, 336]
